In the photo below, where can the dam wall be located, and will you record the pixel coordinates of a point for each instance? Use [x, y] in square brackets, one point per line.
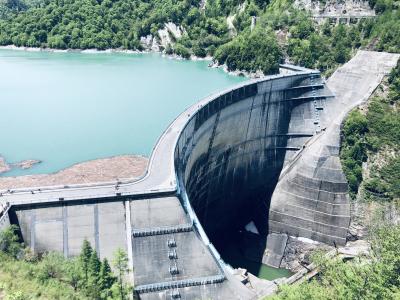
[230, 155]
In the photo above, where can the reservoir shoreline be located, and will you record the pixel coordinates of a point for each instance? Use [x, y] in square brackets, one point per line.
[212, 64]
[93, 171]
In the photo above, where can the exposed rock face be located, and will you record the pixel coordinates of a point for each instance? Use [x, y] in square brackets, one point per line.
[298, 252]
[100, 170]
[231, 27]
[149, 43]
[166, 37]
[336, 8]
[203, 4]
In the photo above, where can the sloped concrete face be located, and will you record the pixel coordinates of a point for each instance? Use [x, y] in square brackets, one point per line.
[165, 247]
[231, 153]
[63, 228]
[311, 198]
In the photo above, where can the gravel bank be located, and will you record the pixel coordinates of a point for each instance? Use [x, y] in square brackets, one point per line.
[99, 170]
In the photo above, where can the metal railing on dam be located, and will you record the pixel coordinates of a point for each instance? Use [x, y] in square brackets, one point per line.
[162, 230]
[179, 284]
[265, 150]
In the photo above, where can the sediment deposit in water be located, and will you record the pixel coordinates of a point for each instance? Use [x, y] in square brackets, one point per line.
[99, 170]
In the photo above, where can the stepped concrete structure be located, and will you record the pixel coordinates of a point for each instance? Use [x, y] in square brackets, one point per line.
[264, 151]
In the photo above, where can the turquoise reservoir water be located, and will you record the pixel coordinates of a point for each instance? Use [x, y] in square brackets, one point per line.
[65, 108]
[236, 259]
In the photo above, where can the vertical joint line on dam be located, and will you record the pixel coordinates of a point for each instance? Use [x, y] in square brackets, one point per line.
[33, 230]
[65, 229]
[96, 228]
[128, 228]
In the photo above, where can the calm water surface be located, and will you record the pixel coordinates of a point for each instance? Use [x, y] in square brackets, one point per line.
[233, 256]
[65, 108]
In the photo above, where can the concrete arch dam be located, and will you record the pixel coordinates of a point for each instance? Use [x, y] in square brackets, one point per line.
[231, 153]
[265, 151]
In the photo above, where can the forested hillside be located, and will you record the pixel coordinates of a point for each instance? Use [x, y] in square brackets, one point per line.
[221, 28]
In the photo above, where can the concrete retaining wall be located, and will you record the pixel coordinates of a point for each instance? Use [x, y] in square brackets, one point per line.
[63, 228]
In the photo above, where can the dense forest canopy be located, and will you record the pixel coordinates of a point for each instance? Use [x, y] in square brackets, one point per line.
[282, 31]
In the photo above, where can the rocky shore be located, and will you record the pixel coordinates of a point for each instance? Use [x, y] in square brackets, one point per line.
[99, 170]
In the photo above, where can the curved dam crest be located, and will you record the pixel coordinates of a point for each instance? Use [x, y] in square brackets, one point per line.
[264, 151]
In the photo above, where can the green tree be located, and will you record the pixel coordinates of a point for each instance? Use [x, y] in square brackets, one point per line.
[73, 272]
[9, 241]
[85, 256]
[94, 266]
[120, 262]
[255, 51]
[51, 266]
[106, 277]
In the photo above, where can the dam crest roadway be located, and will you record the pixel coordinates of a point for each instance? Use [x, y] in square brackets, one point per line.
[266, 151]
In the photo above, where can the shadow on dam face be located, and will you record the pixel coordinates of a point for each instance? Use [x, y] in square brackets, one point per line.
[230, 155]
